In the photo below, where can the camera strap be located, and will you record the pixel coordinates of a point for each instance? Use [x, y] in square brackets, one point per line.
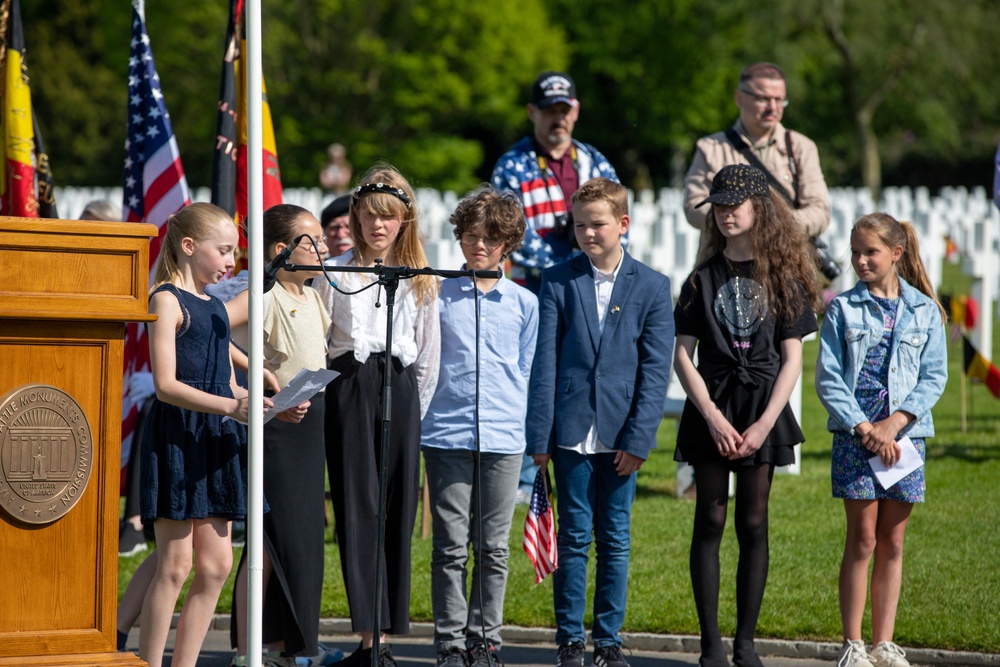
[746, 151]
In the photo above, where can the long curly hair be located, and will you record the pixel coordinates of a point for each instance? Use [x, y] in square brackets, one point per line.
[783, 257]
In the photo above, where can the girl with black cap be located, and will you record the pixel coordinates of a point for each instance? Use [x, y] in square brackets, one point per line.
[746, 307]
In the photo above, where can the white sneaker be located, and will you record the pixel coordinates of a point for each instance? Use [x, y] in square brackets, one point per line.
[853, 654]
[887, 654]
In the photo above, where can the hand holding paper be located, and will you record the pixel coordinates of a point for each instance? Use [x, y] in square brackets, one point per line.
[909, 460]
[300, 389]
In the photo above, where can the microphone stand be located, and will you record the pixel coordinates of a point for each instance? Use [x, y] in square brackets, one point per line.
[388, 279]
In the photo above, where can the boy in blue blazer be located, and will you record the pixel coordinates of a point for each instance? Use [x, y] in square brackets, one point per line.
[598, 383]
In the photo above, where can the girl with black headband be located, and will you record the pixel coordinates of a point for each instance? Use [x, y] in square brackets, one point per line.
[383, 220]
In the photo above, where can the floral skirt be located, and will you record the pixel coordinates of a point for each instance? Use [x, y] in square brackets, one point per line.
[853, 478]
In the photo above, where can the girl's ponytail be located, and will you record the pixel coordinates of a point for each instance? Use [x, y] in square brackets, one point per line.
[911, 267]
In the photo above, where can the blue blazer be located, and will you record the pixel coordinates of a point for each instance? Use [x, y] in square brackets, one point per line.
[619, 376]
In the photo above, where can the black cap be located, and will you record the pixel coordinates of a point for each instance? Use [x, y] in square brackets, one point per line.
[735, 183]
[552, 88]
[338, 207]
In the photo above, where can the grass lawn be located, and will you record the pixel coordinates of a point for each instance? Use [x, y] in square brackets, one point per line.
[951, 573]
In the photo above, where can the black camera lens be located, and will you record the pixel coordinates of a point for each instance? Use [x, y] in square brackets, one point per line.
[826, 264]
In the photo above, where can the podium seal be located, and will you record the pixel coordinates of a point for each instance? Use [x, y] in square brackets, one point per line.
[46, 453]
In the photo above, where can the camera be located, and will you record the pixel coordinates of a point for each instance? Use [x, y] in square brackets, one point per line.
[826, 264]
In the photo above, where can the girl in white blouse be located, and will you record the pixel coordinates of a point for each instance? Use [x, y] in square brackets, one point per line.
[383, 221]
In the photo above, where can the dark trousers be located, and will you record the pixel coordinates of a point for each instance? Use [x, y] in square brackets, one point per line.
[353, 455]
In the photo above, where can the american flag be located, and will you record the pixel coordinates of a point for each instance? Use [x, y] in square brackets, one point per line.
[540, 531]
[154, 189]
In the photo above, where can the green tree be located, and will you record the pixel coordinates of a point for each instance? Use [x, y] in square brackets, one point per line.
[653, 77]
[893, 81]
[78, 61]
[423, 85]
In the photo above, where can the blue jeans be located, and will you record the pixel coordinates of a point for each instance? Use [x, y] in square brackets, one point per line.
[592, 501]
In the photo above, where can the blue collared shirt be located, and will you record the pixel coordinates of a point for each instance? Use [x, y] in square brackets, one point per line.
[508, 328]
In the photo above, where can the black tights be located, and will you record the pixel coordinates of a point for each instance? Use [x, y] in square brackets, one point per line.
[753, 486]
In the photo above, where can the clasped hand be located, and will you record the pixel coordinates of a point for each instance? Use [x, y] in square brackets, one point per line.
[731, 443]
[880, 439]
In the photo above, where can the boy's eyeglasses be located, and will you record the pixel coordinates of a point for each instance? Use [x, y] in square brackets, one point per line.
[764, 100]
[472, 240]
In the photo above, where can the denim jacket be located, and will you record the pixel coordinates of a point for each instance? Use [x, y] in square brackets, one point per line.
[918, 364]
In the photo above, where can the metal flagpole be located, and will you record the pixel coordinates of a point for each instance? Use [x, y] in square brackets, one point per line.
[255, 257]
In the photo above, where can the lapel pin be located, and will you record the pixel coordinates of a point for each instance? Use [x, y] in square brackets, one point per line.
[615, 309]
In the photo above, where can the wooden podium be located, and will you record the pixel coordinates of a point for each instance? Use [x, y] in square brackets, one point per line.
[67, 288]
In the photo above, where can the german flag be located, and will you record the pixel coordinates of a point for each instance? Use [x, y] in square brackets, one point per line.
[978, 368]
[25, 179]
[229, 168]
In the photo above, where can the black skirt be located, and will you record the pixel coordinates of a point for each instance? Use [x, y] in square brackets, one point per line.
[742, 400]
[294, 485]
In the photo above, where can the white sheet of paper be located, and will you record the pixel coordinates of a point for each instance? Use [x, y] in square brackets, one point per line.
[299, 389]
[909, 460]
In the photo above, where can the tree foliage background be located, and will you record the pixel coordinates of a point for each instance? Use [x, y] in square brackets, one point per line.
[892, 91]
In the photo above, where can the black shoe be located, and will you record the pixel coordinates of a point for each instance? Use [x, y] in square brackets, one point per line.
[609, 656]
[385, 658]
[570, 655]
[131, 540]
[481, 655]
[361, 657]
[713, 660]
[744, 655]
[452, 657]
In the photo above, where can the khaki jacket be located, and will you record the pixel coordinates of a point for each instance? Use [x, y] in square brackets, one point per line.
[715, 151]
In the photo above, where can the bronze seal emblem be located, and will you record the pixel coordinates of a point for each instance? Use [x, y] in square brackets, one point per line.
[46, 453]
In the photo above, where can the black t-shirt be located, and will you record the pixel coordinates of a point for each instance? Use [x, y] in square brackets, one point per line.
[739, 347]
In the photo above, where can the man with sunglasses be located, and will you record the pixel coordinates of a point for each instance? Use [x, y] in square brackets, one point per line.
[790, 157]
[545, 169]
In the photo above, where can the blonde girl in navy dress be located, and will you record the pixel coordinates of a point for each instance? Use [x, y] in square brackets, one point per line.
[882, 366]
[194, 450]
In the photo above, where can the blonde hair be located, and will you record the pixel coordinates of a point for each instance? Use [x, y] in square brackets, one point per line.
[195, 221]
[892, 233]
[407, 247]
[603, 190]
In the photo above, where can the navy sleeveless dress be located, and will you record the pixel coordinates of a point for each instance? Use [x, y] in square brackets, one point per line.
[194, 463]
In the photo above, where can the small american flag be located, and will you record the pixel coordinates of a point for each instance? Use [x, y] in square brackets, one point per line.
[154, 188]
[540, 531]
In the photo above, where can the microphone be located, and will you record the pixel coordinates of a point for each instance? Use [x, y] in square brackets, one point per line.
[271, 270]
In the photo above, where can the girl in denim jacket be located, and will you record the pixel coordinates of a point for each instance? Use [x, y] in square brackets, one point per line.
[882, 367]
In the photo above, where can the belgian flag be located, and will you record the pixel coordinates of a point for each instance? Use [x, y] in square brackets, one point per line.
[979, 368]
[25, 179]
[229, 167]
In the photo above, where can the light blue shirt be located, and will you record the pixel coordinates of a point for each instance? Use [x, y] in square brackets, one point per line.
[508, 328]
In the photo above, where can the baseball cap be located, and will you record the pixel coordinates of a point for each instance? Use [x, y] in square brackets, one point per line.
[338, 207]
[552, 88]
[735, 183]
